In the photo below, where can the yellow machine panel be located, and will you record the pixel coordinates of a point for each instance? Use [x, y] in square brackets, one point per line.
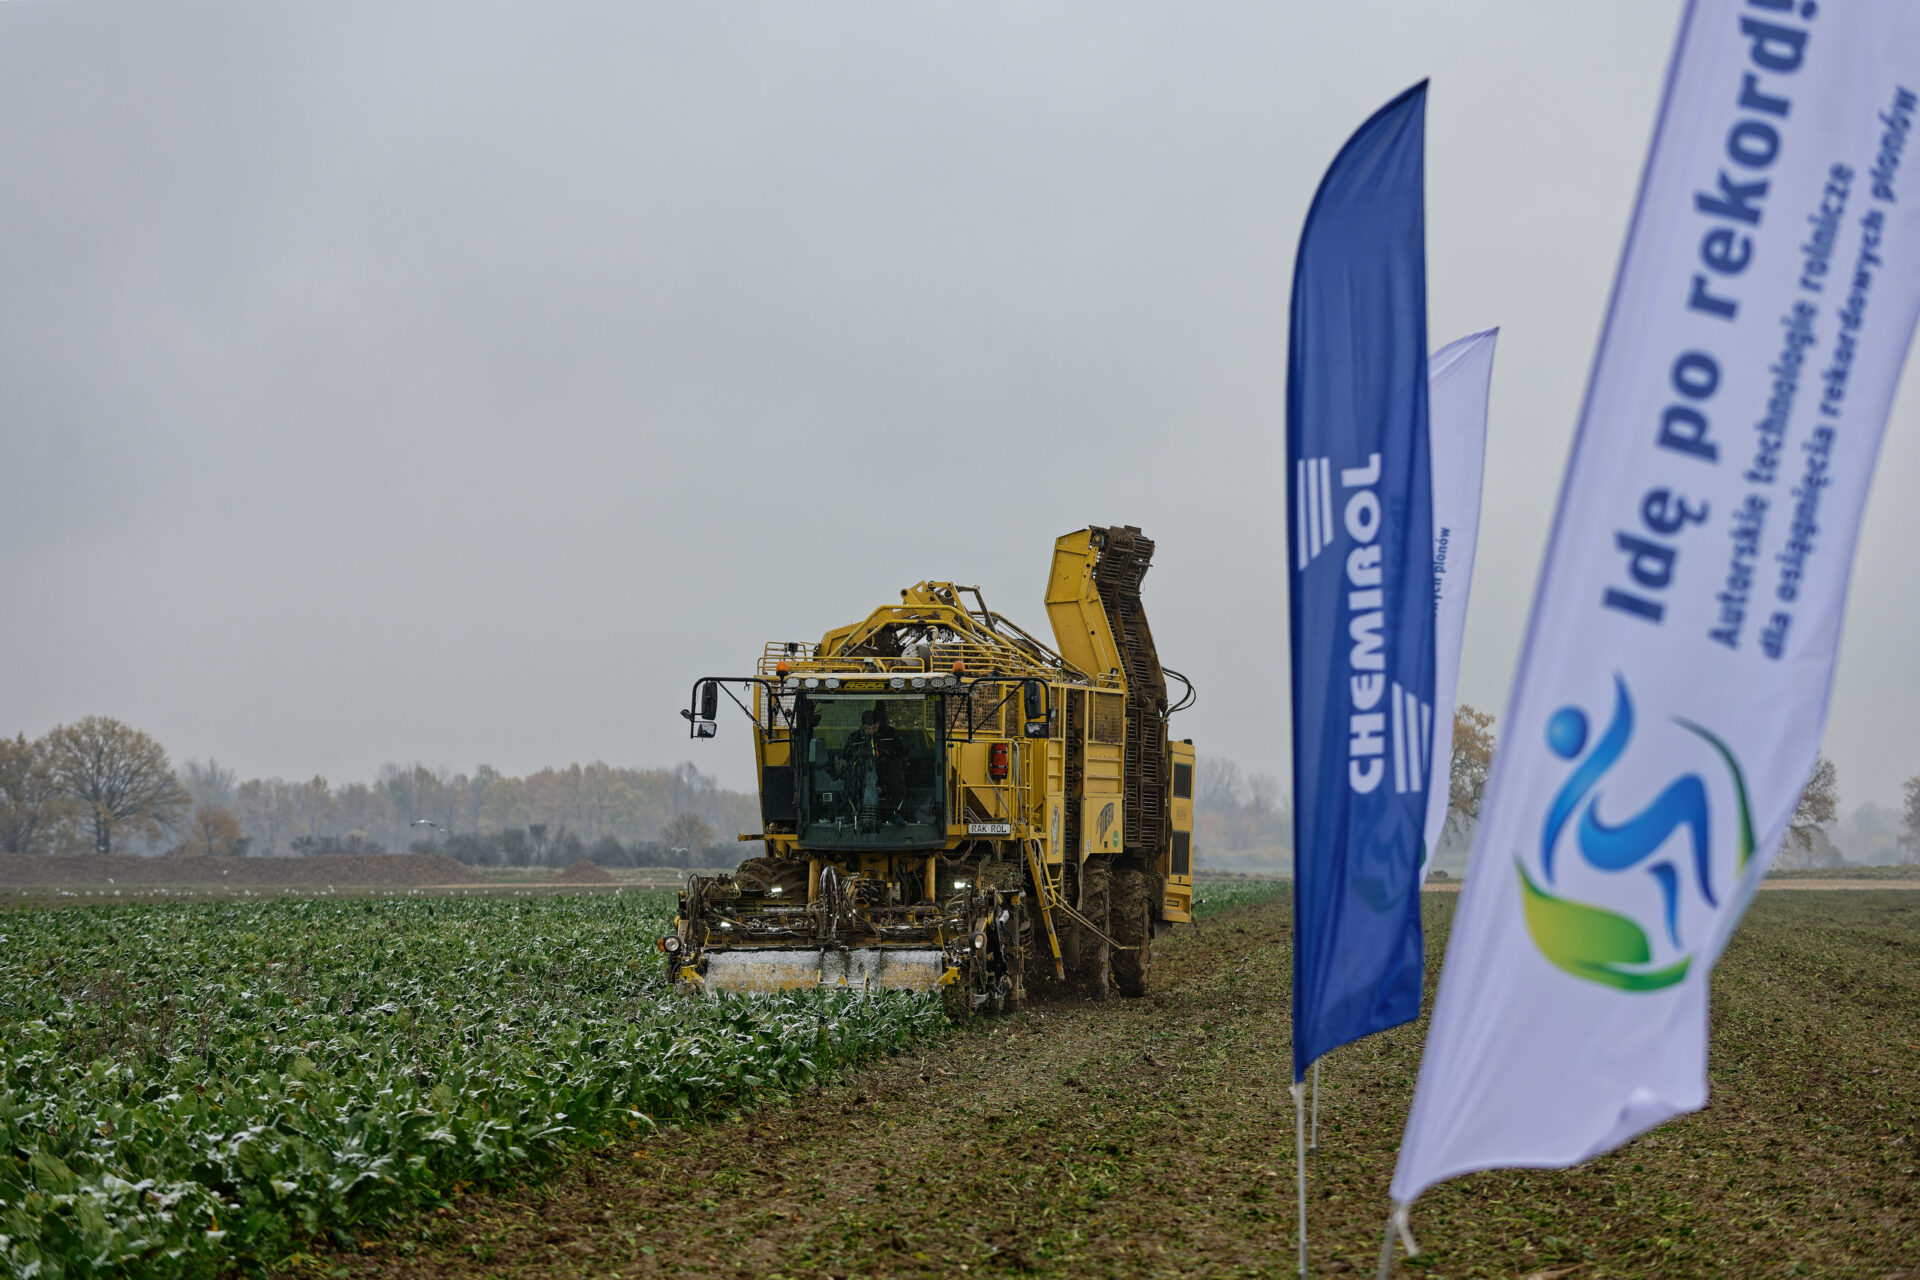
[1177, 872]
[1101, 826]
[1080, 625]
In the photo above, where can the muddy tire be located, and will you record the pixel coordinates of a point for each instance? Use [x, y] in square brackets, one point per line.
[757, 875]
[1092, 970]
[1130, 920]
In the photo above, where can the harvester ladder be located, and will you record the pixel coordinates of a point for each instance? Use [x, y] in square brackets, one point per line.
[1045, 893]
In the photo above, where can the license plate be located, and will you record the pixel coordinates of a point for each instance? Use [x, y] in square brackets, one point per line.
[989, 828]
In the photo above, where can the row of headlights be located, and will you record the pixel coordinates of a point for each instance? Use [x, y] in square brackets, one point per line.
[898, 682]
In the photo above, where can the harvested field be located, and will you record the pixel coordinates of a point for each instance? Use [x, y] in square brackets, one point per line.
[384, 871]
[1154, 1138]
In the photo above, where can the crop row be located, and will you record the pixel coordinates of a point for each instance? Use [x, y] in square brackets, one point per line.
[1210, 897]
[189, 1087]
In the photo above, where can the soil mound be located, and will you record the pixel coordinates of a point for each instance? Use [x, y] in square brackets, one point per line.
[583, 871]
[360, 871]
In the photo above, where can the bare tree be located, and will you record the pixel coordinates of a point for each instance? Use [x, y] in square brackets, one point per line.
[1264, 795]
[210, 783]
[118, 778]
[687, 831]
[1220, 785]
[1910, 817]
[1473, 743]
[32, 808]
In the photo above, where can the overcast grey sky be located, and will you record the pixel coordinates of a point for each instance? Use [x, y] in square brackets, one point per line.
[456, 381]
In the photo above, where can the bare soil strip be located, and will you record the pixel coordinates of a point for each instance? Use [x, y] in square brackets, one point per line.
[1154, 1138]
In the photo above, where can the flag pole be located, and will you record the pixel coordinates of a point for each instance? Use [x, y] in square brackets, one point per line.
[1299, 1091]
[1397, 1223]
[1385, 1270]
[1313, 1140]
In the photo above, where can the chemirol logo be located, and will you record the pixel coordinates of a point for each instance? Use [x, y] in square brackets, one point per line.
[1386, 723]
[1654, 857]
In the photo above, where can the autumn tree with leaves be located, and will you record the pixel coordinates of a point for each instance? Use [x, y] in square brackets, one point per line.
[1473, 743]
[117, 779]
[34, 814]
[1817, 810]
[214, 833]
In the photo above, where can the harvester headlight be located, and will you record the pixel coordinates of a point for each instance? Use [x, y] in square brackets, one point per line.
[919, 682]
[775, 889]
[832, 682]
[961, 884]
[793, 682]
[670, 944]
[898, 682]
[812, 683]
[979, 942]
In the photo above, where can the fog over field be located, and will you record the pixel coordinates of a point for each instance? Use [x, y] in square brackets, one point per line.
[445, 382]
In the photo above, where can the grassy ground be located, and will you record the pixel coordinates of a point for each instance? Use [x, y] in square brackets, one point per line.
[1154, 1138]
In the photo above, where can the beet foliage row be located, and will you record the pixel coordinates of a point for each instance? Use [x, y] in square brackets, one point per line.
[189, 1087]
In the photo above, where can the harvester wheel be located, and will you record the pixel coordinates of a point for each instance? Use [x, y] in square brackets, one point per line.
[1131, 921]
[757, 875]
[1094, 968]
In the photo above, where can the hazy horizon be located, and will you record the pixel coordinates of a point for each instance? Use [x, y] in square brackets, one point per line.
[425, 381]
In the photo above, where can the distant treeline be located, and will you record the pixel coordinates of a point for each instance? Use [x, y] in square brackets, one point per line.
[1239, 812]
[486, 817]
[101, 786]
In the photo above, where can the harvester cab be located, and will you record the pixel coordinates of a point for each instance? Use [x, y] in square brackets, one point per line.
[947, 802]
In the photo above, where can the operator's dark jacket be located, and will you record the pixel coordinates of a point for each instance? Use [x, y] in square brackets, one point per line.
[884, 753]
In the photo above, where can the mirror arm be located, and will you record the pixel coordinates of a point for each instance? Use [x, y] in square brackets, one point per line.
[692, 714]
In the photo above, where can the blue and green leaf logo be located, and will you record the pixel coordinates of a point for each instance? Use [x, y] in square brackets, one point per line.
[1593, 942]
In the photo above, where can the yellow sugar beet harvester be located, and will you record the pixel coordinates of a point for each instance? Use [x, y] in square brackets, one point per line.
[948, 802]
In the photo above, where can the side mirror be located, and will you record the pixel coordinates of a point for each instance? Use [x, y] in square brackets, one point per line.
[703, 717]
[1034, 697]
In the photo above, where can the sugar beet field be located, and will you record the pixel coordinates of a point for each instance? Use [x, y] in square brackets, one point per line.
[442, 1087]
